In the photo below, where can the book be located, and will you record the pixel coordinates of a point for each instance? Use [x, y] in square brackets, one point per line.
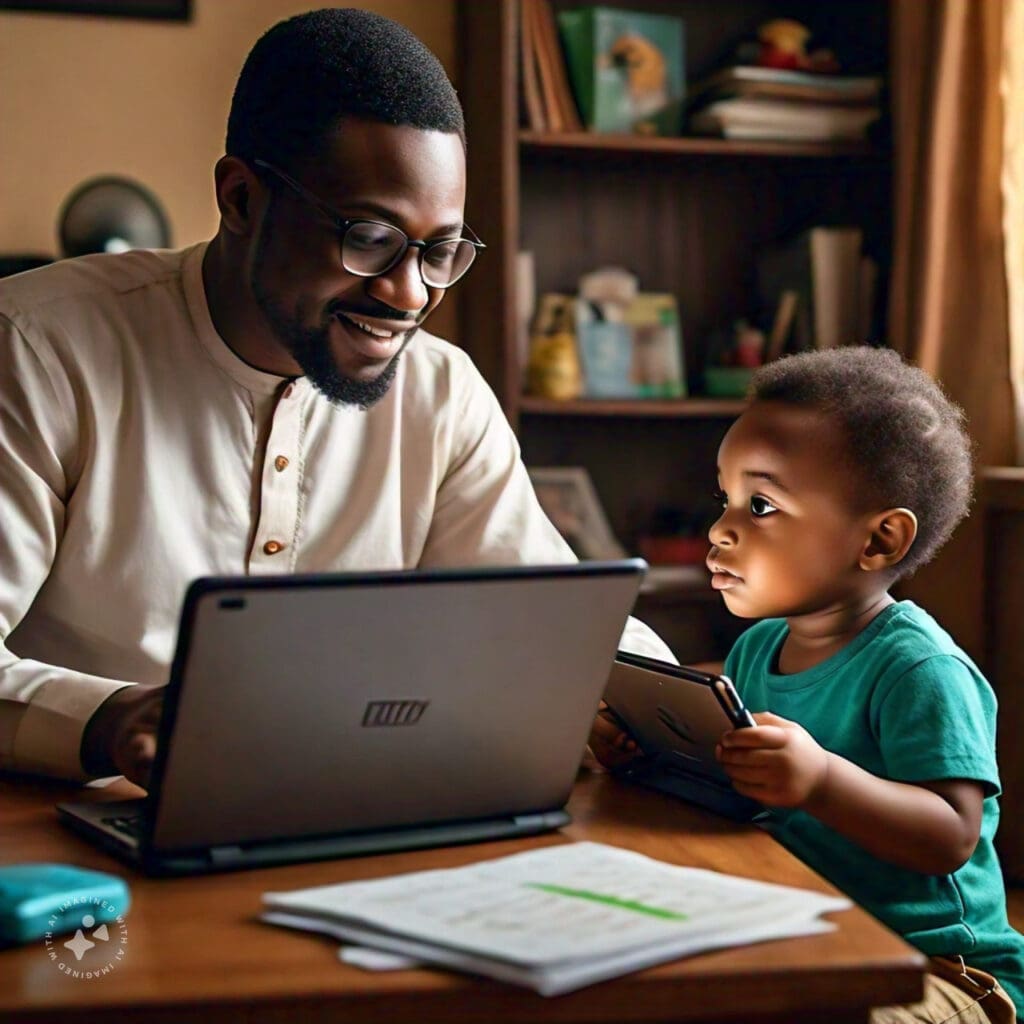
[632, 349]
[822, 267]
[606, 355]
[866, 291]
[835, 276]
[532, 101]
[782, 324]
[547, 94]
[745, 117]
[553, 66]
[786, 267]
[526, 303]
[626, 68]
[557, 918]
[778, 83]
[653, 319]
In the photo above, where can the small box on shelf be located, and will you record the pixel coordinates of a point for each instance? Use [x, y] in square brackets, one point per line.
[727, 381]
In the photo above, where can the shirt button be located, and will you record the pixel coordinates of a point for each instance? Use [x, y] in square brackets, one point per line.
[280, 463]
[272, 547]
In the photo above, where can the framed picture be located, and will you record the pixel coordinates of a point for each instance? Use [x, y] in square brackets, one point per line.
[567, 495]
[170, 10]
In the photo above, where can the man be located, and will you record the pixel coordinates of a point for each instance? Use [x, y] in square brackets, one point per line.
[263, 403]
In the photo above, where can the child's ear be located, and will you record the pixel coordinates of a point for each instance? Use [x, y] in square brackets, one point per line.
[890, 536]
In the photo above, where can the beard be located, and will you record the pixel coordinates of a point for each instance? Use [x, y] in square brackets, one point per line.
[310, 346]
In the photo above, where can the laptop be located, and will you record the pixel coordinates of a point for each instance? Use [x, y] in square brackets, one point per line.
[315, 716]
[677, 715]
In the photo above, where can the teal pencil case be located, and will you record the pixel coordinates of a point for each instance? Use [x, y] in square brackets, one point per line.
[41, 899]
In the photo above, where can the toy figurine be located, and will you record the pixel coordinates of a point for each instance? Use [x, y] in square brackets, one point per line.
[783, 44]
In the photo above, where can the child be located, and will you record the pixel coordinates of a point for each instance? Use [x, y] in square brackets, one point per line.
[875, 740]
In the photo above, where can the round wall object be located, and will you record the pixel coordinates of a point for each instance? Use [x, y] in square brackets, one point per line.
[111, 214]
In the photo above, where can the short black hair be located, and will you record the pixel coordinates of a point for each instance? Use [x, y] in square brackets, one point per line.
[307, 73]
[906, 441]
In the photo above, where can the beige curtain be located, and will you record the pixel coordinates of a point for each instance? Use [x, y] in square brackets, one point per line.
[948, 308]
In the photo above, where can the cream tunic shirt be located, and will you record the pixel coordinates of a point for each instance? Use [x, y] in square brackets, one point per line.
[137, 452]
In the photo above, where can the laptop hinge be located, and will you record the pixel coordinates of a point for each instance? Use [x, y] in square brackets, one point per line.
[544, 820]
[222, 855]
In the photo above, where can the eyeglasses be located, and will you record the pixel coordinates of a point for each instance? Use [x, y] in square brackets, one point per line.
[370, 248]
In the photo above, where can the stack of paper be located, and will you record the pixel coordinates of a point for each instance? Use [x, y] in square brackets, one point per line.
[757, 118]
[557, 918]
[742, 102]
[782, 83]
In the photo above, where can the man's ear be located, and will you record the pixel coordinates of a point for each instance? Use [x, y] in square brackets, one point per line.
[891, 533]
[236, 188]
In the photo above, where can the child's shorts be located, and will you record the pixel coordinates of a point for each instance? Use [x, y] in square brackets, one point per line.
[955, 993]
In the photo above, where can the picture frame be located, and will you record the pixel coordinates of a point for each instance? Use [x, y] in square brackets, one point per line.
[569, 499]
[164, 10]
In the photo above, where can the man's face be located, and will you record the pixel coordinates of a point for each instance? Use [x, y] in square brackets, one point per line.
[794, 527]
[347, 332]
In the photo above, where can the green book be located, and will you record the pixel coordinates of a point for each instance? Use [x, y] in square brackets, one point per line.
[626, 68]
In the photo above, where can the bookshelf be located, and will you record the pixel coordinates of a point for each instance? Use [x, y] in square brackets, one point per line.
[687, 215]
[605, 145]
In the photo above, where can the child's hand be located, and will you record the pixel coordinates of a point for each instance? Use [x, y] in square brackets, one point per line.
[608, 742]
[776, 762]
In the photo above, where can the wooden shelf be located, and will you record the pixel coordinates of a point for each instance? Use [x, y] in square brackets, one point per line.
[665, 408]
[690, 216]
[605, 144]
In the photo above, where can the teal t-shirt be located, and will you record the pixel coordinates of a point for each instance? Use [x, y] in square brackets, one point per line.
[903, 702]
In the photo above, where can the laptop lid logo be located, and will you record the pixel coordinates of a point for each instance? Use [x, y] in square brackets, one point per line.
[394, 712]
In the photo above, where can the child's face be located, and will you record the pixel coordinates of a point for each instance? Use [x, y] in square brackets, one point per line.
[791, 534]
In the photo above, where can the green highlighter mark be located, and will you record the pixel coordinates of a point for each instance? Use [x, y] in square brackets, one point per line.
[608, 901]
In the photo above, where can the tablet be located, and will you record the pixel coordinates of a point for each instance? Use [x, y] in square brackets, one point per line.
[677, 715]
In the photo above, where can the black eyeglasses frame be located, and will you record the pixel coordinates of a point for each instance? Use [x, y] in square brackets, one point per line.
[343, 224]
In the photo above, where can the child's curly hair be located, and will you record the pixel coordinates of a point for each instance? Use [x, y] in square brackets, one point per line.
[905, 439]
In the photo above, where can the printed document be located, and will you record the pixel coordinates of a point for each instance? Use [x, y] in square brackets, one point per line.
[556, 918]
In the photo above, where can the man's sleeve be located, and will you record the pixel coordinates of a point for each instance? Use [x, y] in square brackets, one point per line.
[487, 512]
[43, 708]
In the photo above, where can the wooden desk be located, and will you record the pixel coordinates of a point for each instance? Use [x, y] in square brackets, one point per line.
[196, 951]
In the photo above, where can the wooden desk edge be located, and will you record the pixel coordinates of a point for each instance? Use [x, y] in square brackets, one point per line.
[300, 973]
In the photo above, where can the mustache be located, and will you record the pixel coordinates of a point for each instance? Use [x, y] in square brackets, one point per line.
[378, 309]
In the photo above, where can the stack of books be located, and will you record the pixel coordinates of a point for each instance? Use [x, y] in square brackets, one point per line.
[748, 102]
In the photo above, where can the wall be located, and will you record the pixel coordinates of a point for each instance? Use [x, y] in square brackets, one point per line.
[81, 96]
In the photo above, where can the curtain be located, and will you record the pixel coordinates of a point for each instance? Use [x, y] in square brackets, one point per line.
[1012, 94]
[948, 306]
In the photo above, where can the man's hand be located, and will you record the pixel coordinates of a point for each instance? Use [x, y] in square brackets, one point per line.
[120, 738]
[776, 762]
[610, 744]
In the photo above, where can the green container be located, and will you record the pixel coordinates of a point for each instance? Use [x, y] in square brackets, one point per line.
[727, 381]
